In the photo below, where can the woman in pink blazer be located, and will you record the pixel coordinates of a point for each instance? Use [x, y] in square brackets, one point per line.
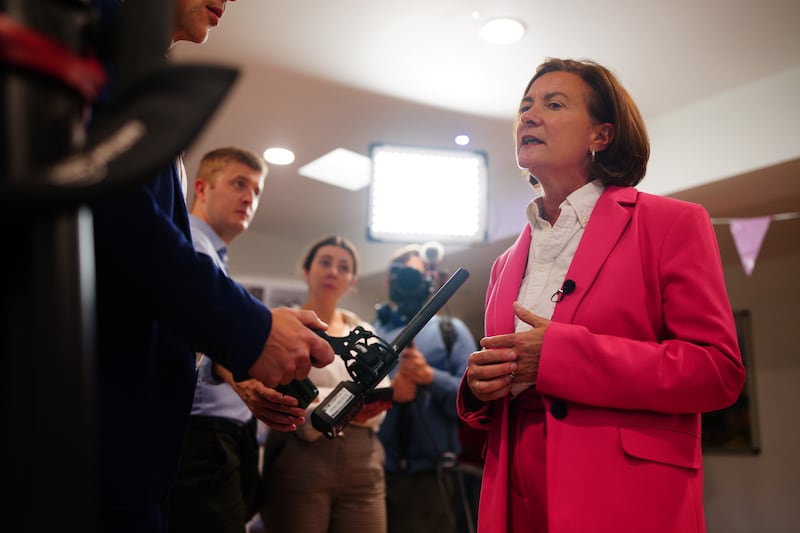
[608, 329]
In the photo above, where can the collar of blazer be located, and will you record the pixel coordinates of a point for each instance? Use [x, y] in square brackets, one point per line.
[608, 220]
[612, 209]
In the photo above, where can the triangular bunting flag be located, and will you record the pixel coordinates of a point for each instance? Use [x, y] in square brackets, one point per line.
[748, 234]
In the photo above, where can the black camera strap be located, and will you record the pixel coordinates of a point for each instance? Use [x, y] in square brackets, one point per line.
[405, 423]
[448, 336]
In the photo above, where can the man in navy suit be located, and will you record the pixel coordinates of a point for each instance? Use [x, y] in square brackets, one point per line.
[158, 303]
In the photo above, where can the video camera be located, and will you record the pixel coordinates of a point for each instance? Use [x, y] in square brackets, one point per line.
[409, 288]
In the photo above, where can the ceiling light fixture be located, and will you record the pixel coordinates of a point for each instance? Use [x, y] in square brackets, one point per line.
[279, 156]
[341, 168]
[462, 139]
[444, 189]
[502, 31]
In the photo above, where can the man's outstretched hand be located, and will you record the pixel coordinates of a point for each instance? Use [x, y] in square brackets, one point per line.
[292, 347]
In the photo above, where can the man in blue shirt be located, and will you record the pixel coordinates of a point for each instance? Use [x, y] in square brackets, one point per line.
[217, 487]
[420, 433]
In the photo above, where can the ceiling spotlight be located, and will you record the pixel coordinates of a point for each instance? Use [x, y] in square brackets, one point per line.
[279, 156]
[502, 31]
[462, 139]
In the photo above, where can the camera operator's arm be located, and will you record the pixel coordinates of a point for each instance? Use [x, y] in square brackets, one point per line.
[405, 390]
[447, 377]
[414, 367]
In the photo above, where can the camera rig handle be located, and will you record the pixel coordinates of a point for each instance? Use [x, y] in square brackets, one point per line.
[369, 359]
[365, 355]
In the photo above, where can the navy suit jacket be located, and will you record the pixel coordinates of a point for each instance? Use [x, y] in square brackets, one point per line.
[158, 302]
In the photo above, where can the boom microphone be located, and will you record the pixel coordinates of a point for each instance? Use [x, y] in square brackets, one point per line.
[373, 360]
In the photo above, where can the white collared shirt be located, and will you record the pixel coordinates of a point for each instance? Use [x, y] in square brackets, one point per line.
[551, 252]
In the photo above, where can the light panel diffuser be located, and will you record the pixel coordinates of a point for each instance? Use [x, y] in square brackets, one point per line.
[427, 194]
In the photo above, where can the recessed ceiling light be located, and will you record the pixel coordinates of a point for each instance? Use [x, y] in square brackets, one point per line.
[502, 31]
[340, 167]
[462, 140]
[279, 156]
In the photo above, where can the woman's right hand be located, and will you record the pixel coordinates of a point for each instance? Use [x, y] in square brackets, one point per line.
[489, 373]
[526, 345]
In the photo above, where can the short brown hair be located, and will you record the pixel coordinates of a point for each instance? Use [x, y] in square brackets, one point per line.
[213, 161]
[624, 162]
[404, 254]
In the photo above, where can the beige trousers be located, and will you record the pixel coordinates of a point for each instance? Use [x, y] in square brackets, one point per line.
[325, 486]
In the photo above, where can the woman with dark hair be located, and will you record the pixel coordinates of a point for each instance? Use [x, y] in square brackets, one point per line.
[608, 329]
[313, 484]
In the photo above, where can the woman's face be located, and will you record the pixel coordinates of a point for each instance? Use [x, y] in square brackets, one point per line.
[554, 131]
[331, 272]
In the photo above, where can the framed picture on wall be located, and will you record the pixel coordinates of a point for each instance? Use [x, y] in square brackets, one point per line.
[735, 429]
[275, 292]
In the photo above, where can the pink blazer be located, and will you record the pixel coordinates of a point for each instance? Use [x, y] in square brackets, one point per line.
[644, 344]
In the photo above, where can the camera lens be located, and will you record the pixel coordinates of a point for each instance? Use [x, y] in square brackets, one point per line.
[408, 280]
[408, 288]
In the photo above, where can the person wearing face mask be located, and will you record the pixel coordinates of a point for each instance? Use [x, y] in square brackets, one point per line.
[314, 484]
[421, 432]
[608, 329]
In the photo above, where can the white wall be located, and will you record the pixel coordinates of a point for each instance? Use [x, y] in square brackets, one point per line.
[750, 127]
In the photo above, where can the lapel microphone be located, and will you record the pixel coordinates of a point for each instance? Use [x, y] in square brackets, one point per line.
[566, 288]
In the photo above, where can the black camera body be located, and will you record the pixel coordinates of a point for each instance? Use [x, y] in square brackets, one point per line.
[408, 290]
[409, 285]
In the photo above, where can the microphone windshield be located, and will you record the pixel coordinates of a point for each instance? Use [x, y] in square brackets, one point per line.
[568, 286]
[432, 252]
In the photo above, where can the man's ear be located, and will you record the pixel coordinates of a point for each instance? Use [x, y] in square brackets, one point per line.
[200, 186]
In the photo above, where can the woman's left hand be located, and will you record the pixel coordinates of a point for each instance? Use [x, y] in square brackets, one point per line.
[526, 344]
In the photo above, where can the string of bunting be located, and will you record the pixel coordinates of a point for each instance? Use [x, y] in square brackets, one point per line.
[748, 234]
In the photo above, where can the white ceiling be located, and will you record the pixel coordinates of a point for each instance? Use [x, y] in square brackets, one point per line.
[666, 53]
[321, 74]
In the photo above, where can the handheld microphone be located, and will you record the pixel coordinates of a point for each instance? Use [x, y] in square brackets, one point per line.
[566, 288]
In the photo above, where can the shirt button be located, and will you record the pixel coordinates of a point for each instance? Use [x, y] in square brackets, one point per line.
[540, 268]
